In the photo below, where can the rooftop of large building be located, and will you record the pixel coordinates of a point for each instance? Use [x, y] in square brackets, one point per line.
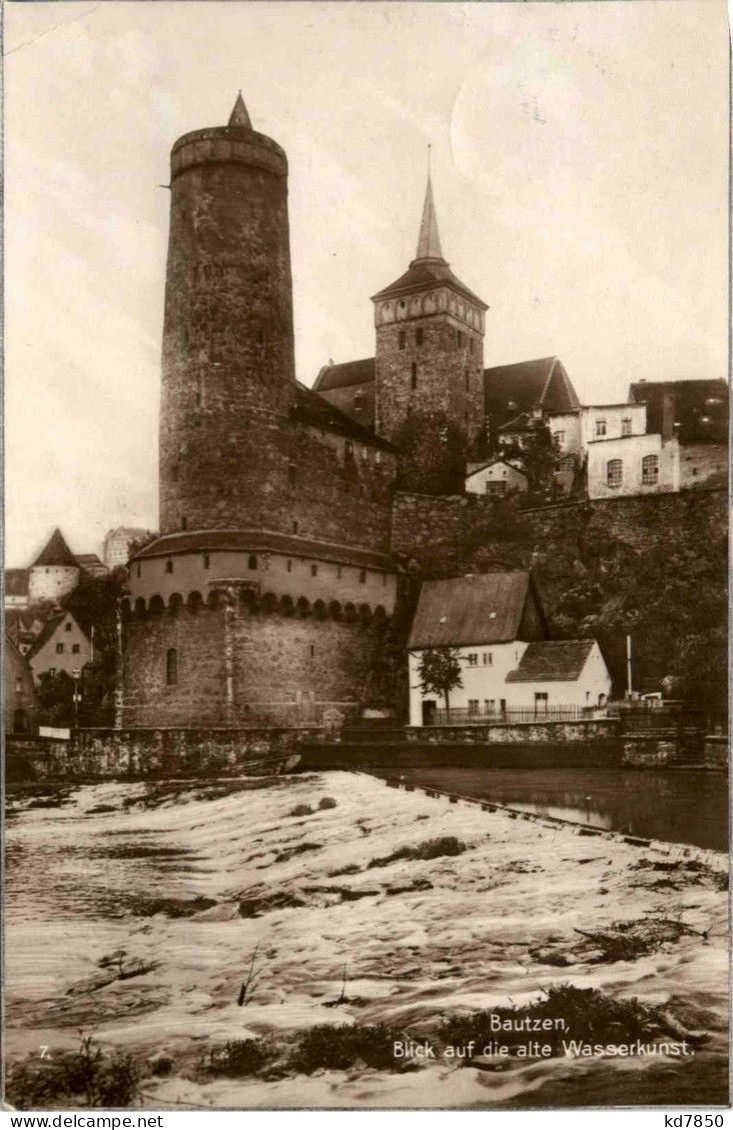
[524, 385]
[486, 608]
[700, 407]
[247, 541]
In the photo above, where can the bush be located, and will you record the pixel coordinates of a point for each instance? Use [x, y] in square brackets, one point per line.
[87, 1078]
[240, 1057]
[340, 1046]
[301, 810]
[428, 849]
[327, 802]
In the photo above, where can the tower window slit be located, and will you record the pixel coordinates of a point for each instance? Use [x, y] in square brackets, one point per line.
[413, 375]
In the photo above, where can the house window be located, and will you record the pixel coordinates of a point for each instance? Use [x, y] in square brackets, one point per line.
[52, 671]
[626, 426]
[473, 706]
[59, 649]
[349, 449]
[362, 576]
[488, 659]
[600, 427]
[207, 561]
[75, 649]
[252, 561]
[169, 566]
[489, 705]
[473, 659]
[558, 438]
[650, 470]
[312, 650]
[614, 473]
[540, 701]
[402, 339]
[413, 376]
[314, 570]
[67, 626]
[171, 666]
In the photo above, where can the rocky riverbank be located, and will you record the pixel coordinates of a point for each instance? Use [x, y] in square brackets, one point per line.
[216, 932]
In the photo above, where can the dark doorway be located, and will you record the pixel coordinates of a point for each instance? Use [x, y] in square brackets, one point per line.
[428, 712]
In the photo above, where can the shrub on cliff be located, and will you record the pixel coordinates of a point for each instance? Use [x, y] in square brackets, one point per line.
[340, 1046]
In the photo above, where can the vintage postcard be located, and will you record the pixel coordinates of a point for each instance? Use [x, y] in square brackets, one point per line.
[366, 576]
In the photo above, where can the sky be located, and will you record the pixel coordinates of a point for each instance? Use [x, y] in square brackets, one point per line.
[579, 166]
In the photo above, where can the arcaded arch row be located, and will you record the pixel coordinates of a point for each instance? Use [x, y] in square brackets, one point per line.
[267, 603]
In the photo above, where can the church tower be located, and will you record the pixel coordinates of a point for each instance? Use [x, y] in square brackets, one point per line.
[228, 379]
[430, 341]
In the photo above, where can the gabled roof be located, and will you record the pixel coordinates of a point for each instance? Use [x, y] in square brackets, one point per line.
[485, 608]
[475, 468]
[16, 582]
[313, 409]
[700, 407]
[88, 561]
[344, 375]
[512, 389]
[128, 531]
[552, 660]
[55, 552]
[49, 629]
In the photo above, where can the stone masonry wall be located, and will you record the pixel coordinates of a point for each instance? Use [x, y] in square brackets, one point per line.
[238, 667]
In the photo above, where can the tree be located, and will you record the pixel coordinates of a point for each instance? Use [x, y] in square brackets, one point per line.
[434, 452]
[439, 672]
[94, 606]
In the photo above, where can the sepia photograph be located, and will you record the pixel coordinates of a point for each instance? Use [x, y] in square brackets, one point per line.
[365, 694]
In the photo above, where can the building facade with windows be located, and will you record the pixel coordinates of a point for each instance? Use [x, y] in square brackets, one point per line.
[496, 627]
[60, 646]
[633, 464]
[496, 477]
[20, 702]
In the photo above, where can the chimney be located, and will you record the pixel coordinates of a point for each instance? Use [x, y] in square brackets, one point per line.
[668, 409]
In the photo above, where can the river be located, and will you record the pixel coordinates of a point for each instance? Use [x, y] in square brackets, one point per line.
[681, 807]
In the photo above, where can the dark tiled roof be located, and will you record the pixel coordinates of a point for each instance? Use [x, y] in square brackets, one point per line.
[482, 609]
[700, 422]
[423, 273]
[313, 409]
[513, 389]
[551, 660]
[88, 561]
[261, 541]
[46, 632]
[344, 375]
[16, 582]
[55, 552]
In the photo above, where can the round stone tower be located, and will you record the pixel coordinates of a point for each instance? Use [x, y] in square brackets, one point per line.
[228, 380]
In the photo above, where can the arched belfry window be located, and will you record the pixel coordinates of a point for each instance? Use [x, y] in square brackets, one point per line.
[171, 666]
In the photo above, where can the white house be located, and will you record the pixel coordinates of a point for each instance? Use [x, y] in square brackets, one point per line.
[496, 476]
[496, 625]
[60, 646]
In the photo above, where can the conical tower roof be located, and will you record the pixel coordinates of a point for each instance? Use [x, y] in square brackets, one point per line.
[428, 244]
[56, 551]
[239, 115]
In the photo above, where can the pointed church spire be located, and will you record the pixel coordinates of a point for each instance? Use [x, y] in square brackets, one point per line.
[239, 115]
[428, 245]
